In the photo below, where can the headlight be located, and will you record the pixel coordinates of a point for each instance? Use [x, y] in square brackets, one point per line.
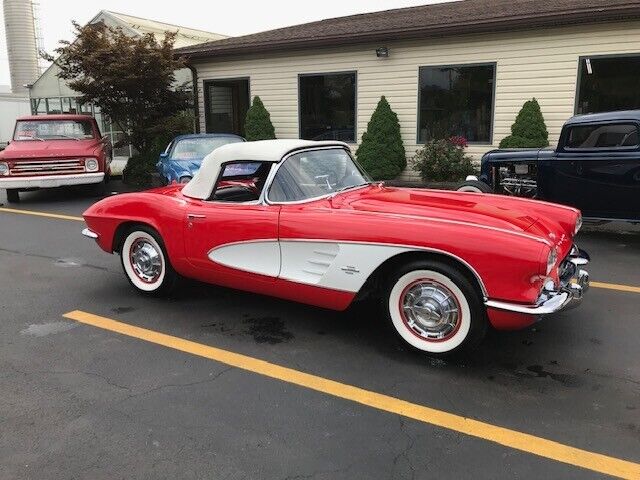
[578, 224]
[552, 259]
[185, 179]
[4, 168]
[91, 164]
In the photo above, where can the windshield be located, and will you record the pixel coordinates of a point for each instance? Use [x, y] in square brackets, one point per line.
[53, 130]
[198, 148]
[315, 173]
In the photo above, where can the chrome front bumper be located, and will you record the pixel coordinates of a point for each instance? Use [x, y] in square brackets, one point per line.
[51, 181]
[87, 232]
[574, 282]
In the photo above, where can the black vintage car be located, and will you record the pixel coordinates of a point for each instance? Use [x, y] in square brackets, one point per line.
[596, 168]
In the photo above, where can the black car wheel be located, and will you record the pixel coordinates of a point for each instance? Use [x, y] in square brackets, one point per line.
[476, 186]
[12, 195]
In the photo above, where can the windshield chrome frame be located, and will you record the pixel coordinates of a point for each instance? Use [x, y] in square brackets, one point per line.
[264, 197]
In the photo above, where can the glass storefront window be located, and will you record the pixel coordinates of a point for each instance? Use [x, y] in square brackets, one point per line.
[328, 106]
[608, 83]
[456, 100]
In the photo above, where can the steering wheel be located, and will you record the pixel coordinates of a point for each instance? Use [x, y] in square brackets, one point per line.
[328, 180]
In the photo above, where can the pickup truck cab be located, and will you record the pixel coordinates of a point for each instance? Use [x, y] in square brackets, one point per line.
[595, 167]
[53, 151]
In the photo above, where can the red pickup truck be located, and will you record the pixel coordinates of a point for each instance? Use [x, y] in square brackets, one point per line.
[53, 151]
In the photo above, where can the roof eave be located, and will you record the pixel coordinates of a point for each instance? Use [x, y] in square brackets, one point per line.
[549, 20]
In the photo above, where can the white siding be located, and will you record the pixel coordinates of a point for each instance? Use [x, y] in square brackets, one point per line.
[540, 63]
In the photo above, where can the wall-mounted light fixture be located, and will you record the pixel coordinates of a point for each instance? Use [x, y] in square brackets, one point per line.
[382, 52]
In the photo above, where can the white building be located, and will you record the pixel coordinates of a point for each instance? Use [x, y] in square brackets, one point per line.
[459, 68]
[50, 94]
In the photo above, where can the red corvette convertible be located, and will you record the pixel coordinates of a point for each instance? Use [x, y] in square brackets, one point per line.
[300, 220]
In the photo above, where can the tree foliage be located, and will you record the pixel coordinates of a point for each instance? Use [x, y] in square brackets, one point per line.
[258, 124]
[381, 152]
[529, 129]
[130, 78]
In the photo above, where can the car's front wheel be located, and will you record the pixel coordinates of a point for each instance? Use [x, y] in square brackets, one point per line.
[13, 196]
[434, 308]
[145, 262]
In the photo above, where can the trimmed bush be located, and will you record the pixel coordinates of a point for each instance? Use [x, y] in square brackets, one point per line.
[529, 129]
[381, 152]
[443, 160]
[258, 124]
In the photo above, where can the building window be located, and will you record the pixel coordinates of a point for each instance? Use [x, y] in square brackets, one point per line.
[456, 100]
[608, 83]
[328, 106]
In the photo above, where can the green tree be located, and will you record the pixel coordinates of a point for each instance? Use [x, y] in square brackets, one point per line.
[131, 78]
[381, 152]
[258, 124]
[529, 129]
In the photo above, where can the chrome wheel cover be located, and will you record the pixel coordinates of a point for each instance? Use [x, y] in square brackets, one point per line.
[430, 310]
[145, 260]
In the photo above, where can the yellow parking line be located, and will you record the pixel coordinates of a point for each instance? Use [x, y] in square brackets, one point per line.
[503, 436]
[616, 286]
[42, 214]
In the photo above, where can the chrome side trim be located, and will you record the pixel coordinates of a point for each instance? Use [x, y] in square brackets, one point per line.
[87, 232]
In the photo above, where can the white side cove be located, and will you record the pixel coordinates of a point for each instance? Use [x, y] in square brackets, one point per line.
[335, 265]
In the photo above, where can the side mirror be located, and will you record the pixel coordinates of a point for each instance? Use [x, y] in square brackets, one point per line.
[164, 156]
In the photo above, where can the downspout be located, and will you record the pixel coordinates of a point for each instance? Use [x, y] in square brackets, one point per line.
[196, 102]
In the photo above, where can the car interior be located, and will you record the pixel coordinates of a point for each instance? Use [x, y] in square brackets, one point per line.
[241, 182]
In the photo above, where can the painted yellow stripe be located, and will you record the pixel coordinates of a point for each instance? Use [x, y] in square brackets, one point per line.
[503, 436]
[42, 214]
[615, 286]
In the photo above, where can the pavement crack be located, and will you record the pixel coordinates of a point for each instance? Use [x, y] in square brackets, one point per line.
[178, 385]
[106, 379]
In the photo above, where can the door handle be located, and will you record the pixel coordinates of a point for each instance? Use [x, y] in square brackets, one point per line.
[194, 216]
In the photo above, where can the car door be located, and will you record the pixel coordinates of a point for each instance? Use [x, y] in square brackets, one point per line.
[233, 237]
[597, 170]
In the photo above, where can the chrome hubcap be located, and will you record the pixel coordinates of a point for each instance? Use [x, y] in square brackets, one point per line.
[430, 310]
[145, 260]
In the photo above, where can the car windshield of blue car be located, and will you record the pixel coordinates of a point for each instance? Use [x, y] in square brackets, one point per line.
[198, 148]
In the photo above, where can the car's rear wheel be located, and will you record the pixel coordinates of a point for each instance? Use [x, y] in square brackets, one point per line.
[434, 308]
[476, 186]
[145, 262]
[13, 196]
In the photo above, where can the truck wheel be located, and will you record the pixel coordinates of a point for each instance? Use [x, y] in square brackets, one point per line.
[477, 186]
[145, 262]
[13, 196]
[434, 308]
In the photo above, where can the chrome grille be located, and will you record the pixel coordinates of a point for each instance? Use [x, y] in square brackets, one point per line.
[48, 167]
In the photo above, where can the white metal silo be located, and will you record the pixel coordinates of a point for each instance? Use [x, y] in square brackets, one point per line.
[22, 45]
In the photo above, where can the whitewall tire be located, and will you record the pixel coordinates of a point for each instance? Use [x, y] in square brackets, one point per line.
[145, 262]
[435, 309]
[475, 186]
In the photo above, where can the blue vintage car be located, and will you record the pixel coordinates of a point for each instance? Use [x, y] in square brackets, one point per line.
[183, 156]
[595, 167]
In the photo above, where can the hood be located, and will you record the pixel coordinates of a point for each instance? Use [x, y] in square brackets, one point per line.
[17, 150]
[507, 213]
[181, 168]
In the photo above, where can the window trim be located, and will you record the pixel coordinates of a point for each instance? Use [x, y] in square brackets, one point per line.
[565, 136]
[493, 64]
[355, 103]
[581, 59]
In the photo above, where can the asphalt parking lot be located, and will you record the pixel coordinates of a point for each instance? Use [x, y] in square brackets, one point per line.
[193, 386]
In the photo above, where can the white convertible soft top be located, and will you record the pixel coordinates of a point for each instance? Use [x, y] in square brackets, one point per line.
[202, 183]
